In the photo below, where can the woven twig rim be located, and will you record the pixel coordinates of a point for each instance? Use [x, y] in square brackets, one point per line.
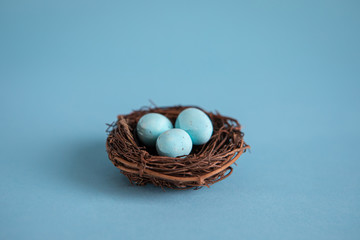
[206, 165]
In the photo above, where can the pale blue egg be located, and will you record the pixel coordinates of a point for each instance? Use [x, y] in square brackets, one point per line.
[150, 126]
[173, 143]
[196, 123]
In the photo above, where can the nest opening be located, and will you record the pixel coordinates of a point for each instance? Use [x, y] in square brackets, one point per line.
[204, 166]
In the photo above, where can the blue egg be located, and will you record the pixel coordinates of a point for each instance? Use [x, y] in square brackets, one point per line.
[173, 143]
[196, 123]
[150, 126]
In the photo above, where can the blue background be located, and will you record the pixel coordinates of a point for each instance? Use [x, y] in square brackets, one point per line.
[289, 71]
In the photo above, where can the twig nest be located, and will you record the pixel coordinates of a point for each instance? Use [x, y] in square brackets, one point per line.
[205, 165]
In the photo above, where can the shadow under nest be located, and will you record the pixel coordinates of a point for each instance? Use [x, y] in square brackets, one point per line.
[204, 166]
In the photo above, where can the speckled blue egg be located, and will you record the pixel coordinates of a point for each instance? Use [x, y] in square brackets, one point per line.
[150, 126]
[196, 123]
[174, 143]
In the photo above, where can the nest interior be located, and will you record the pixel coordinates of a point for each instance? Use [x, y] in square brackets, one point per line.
[205, 165]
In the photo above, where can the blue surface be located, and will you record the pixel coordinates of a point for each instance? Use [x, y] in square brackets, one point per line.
[289, 71]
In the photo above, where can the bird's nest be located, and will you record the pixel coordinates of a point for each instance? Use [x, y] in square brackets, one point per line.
[204, 166]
